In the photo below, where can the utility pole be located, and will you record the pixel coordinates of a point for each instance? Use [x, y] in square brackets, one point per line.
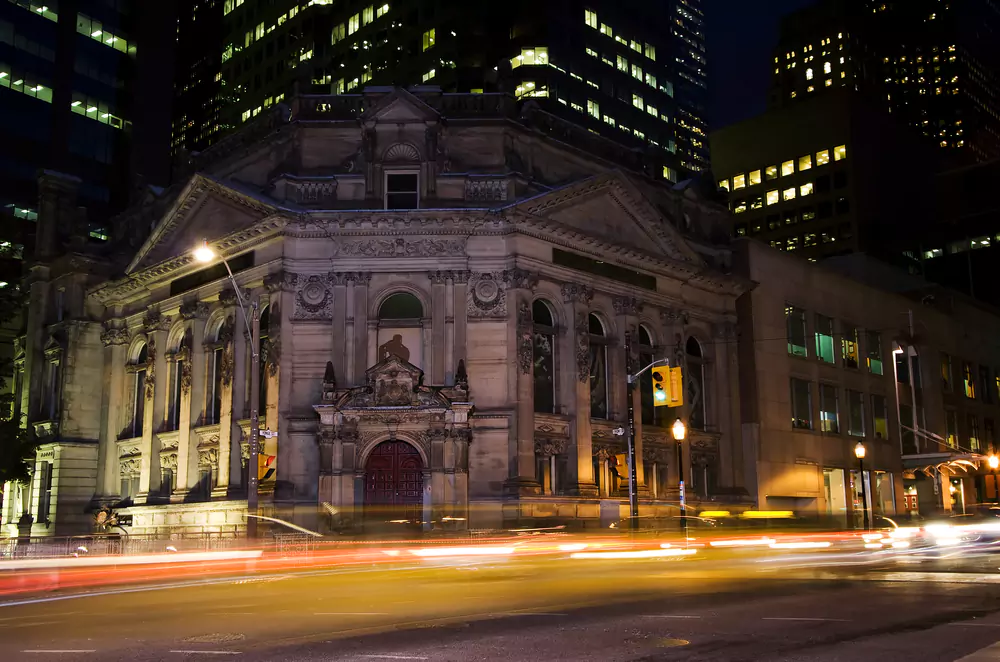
[633, 495]
[253, 460]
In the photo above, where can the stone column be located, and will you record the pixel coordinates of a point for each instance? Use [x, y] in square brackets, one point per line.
[577, 299]
[460, 292]
[627, 319]
[226, 455]
[522, 481]
[115, 338]
[361, 335]
[339, 326]
[157, 378]
[192, 396]
[435, 362]
[237, 396]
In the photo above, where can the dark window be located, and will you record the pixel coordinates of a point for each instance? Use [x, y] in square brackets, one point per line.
[598, 268]
[543, 344]
[598, 368]
[823, 184]
[741, 229]
[45, 496]
[215, 272]
[808, 213]
[646, 380]
[839, 179]
[825, 209]
[801, 404]
[401, 306]
[402, 191]
[791, 218]
[695, 386]
[843, 206]
[984, 380]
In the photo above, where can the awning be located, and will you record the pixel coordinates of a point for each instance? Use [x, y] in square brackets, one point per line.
[953, 463]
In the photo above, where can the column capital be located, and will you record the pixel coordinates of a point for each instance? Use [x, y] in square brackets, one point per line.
[627, 305]
[520, 279]
[576, 293]
[114, 335]
[154, 320]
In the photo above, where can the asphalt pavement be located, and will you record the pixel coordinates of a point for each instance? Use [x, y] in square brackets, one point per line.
[797, 607]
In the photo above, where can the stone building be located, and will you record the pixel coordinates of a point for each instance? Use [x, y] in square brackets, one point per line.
[444, 284]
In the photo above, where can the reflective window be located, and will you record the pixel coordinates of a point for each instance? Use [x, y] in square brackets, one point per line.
[795, 326]
[873, 342]
[805, 162]
[801, 397]
[787, 168]
[824, 338]
[598, 349]
[543, 352]
[829, 412]
[849, 346]
[840, 152]
[771, 172]
[855, 413]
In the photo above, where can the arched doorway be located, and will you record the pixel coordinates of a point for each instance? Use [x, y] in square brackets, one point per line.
[394, 483]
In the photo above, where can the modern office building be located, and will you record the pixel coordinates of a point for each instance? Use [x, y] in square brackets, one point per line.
[73, 80]
[630, 70]
[934, 65]
[199, 90]
[827, 176]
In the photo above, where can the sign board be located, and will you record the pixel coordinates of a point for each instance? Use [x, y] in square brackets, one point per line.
[676, 390]
[124, 520]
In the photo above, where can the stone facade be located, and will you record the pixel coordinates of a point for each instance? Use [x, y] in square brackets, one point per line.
[444, 290]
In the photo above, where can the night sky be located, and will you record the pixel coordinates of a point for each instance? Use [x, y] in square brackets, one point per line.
[741, 38]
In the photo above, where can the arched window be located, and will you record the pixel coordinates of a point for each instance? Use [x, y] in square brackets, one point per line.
[598, 343]
[399, 328]
[695, 394]
[176, 369]
[543, 326]
[138, 394]
[646, 356]
[213, 392]
[400, 306]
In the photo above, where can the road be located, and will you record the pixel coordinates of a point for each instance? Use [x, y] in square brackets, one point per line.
[798, 607]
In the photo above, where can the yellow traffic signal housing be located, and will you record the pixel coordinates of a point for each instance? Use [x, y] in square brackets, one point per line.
[661, 386]
[676, 393]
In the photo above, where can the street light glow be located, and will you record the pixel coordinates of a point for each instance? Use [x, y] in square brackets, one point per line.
[204, 253]
[679, 430]
[859, 451]
[993, 461]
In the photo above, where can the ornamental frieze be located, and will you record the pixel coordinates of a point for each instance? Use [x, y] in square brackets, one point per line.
[525, 338]
[576, 293]
[404, 248]
[153, 320]
[114, 336]
[582, 348]
[194, 309]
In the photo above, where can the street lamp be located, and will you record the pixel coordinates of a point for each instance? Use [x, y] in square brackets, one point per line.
[994, 462]
[859, 452]
[204, 253]
[679, 430]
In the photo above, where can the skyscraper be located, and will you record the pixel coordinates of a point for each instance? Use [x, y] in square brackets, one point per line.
[934, 65]
[630, 70]
[74, 84]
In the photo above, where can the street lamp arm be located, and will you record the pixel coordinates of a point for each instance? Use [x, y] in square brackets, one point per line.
[243, 306]
[632, 378]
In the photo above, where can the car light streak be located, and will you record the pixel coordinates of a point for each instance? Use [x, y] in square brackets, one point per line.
[638, 554]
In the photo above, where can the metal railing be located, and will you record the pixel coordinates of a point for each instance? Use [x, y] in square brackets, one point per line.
[115, 545]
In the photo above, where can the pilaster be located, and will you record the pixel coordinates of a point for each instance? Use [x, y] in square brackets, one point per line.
[522, 481]
[155, 326]
[577, 299]
[115, 338]
[361, 335]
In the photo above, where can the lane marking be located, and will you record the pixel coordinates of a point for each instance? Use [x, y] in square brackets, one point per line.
[795, 618]
[394, 657]
[192, 652]
[668, 616]
[974, 625]
[29, 625]
[351, 613]
[531, 613]
[61, 652]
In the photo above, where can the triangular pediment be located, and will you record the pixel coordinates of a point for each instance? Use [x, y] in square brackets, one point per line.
[399, 107]
[204, 210]
[610, 208]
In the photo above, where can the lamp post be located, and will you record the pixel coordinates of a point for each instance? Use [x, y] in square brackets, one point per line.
[859, 452]
[679, 430]
[204, 253]
[994, 462]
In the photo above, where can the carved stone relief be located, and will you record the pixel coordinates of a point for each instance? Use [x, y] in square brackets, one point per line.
[626, 306]
[150, 366]
[547, 447]
[314, 299]
[153, 320]
[520, 279]
[114, 336]
[525, 335]
[487, 296]
[576, 293]
[404, 248]
[582, 348]
[192, 309]
[485, 190]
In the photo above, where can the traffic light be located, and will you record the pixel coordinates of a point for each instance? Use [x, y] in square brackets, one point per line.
[661, 386]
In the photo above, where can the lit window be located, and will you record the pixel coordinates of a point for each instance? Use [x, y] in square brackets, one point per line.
[840, 152]
[590, 18]
[934, 252]
[757, 203]
[650, 79]
[637, 101]
[382, 11]
[368, 15]
[755, 177]
[669, 174]
[593, 109]
[353, 23]
[809, 74]
[428, 41]
[739, 206]
[805, 162]
[823, 157]
[739, 181]
[827, 67]
[788, 194]
[635, 46]
[339, 32]
[772, 197]
[622, 64]
[771, 172]
[651, 51]
[605, 29]
[811, 88]
[981, 242]
[592, 52]
[787, 168]
[724, 183]
[430, 74]
[828, 82]
[806, 189]
[652, 111]
[636, 72]
[531, 56]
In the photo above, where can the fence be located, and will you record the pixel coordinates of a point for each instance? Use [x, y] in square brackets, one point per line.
[113, 545]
